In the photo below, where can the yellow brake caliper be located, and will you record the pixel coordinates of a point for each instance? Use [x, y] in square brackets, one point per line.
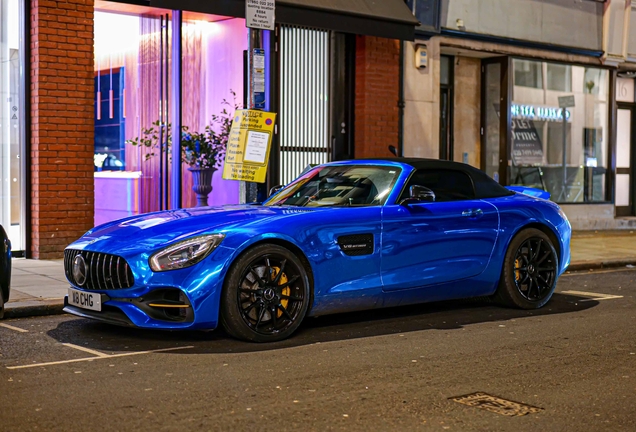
[285, 291]
[517, 272]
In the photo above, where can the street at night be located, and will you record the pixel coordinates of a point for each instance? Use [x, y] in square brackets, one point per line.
[571, 365]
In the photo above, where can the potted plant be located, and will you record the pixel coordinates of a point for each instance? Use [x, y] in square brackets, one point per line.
[204, 151]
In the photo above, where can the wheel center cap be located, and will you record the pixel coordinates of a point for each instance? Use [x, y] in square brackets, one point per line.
[269, 294]
[531, 269]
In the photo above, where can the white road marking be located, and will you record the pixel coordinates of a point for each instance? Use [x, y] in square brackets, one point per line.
[593, 296]
[597, 271]
[88, 350]
[98, 358]
[10, 327]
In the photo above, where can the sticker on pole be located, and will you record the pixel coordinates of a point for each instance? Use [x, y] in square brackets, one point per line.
[248, 146]
[259, 14]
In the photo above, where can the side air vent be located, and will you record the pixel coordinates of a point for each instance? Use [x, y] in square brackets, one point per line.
[356, 244]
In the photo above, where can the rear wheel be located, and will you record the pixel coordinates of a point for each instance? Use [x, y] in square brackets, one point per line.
[530, 271]
[266, 295]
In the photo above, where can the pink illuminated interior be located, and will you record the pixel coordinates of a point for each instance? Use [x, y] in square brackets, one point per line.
[212, 67]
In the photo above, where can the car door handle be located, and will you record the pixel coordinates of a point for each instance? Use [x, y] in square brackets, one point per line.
[473, 213]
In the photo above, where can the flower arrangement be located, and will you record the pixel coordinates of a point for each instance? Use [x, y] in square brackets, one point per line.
[204, 149]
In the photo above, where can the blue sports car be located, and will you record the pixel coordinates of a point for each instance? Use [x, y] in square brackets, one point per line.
[344, 236]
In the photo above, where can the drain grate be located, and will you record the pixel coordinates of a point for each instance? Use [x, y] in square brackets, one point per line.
[495, 404]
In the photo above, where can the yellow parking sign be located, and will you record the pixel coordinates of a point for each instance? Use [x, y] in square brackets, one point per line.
[248, 146]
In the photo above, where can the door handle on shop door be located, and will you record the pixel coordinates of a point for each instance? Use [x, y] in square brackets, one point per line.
[473, 213]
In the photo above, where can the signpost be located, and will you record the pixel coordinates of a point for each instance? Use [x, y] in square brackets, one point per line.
[248, 146]
[251, 135]
[565, 102]
[259, 14]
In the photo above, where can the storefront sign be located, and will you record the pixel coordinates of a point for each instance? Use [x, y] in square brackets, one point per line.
[532, 112]
[248, 146]
[526, 143]
[566, 101]
[259, 14]
[258, 78]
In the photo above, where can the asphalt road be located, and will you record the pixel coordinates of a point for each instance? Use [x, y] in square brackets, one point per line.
[573, 363]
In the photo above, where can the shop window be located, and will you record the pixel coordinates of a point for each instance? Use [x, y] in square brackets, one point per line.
[593, 80]
[528, 73]
[559, 77]
[445, 70]
[132, 92]
[537, 128]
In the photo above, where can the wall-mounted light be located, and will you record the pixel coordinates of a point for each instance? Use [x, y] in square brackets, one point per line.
[421, 56]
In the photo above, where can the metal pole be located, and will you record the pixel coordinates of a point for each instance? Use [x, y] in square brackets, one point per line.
[565, 144]
[177, 109]
[249, 190]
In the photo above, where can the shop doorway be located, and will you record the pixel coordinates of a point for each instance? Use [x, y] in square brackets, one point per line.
[316, 73]
[495, 117]
[625, 163]
[446, 96]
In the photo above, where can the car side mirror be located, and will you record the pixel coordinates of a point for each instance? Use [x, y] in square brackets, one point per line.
[421, 193]
[275, 189]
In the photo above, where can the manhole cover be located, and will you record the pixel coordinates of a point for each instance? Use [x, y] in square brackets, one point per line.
[496, 404]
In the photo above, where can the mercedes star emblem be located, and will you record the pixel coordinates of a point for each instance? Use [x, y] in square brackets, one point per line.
[79, 270]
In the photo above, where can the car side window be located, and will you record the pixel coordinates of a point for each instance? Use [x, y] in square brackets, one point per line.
[448, 185]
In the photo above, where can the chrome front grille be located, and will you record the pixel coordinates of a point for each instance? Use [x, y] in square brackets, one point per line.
[103, 271]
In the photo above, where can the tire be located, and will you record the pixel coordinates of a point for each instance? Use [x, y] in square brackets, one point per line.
[530, 271]
[266, 295]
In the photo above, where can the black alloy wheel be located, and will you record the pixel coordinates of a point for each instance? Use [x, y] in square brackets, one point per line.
[266, 295]
[530, 271]
[535, 269]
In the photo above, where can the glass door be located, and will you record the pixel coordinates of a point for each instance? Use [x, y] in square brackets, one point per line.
[495, 115]
[625, 165]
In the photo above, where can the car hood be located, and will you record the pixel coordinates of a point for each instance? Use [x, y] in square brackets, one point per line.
[153, 230]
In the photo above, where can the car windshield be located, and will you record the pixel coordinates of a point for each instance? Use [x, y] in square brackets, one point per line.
[339, 185]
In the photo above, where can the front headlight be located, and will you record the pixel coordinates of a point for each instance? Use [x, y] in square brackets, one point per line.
[185, 253]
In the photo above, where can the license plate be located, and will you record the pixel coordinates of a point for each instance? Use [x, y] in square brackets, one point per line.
[85, 300]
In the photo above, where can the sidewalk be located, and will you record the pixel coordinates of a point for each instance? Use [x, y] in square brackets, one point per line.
[39, 287]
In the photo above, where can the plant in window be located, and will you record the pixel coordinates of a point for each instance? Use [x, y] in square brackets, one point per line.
[203, 151]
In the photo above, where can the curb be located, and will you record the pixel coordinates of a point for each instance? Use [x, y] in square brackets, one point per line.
[596, 265]
[32, 308]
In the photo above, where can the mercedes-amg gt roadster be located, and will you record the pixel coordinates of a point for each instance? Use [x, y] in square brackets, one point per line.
[343, 236]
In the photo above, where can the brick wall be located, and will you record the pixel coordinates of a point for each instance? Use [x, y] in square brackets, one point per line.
[62, 127]
[377, 89]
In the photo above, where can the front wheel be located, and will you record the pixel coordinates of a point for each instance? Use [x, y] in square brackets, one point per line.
[530, 271]
[266, 294]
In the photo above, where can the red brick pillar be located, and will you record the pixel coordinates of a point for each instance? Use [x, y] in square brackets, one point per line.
[377, 90]
[62, 128]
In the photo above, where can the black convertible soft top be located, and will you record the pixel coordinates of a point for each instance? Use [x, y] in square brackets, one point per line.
[485, 187]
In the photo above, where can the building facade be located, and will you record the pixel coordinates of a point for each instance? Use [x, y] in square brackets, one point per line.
[83, 81]
[497, 76]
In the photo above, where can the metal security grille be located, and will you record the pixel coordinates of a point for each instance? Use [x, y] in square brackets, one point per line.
[304, 109]
[104, 271]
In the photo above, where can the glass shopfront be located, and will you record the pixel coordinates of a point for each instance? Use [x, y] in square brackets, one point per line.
[133, 58]
[12, 132]
[567, 158]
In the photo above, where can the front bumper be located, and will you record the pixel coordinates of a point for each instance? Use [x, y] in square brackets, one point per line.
[163, 308]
